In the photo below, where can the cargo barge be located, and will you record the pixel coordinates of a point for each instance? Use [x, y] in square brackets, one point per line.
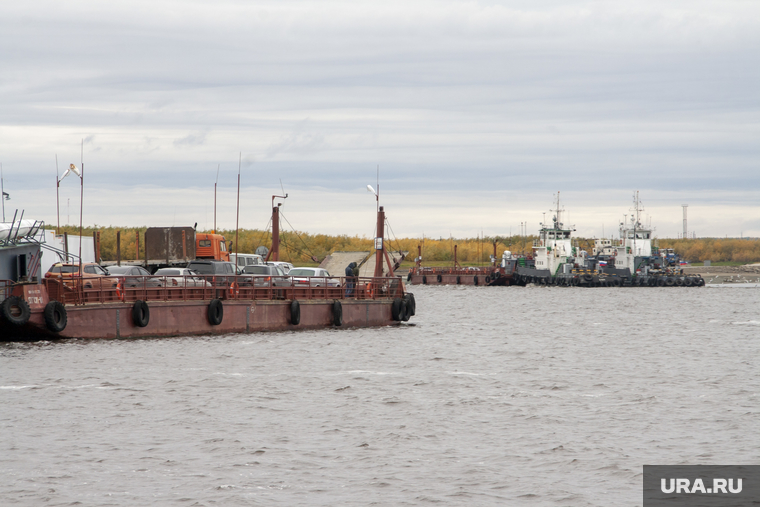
[34, 308]
[494, 275]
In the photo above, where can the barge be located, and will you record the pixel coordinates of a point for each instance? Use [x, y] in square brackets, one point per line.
[495, 275]
[34, 308]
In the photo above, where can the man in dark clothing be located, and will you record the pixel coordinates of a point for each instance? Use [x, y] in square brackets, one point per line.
[350, 279]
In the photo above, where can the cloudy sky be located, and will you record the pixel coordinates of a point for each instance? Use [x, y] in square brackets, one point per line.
[476, 113]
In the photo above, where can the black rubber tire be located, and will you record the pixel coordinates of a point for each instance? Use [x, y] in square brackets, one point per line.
[516, 278]
[488, 278]
[409, 277]
[679, 282]
[576, 282]
[669, 281]
[588, 278]
[140, 313]
[15, 311]
[215, 312]
[424, 280]
[56, 317]
[411, 304]
[337, 314]
[475, 279]
[295, 312]
[496, 275]
[688, 282]
[438, 278]
[701, 282]
[458, 280]
[661, 282]
[396, 309]
[616, 282]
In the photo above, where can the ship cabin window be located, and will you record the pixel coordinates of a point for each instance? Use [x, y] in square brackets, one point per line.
[646, 235]
[564, 234]
[551, 235]
[204, 242]
[222, 246]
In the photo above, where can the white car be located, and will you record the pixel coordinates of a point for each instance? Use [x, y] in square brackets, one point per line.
[314, 277]
[182, 277]
[284, 266]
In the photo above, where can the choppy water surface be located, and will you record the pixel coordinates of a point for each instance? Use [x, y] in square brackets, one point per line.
[497, 396]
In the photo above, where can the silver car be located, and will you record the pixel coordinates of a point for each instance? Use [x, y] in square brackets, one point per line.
[314, 277]
[267, 276]
[182, 277]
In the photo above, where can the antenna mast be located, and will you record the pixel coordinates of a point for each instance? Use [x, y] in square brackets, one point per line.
[217, 181]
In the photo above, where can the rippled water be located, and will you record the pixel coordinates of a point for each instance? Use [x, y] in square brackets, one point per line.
[495, 396]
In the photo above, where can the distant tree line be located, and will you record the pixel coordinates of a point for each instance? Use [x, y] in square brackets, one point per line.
[300, 247]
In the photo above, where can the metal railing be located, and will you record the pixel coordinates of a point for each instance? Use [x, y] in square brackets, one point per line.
[454, 271]
[102, 290]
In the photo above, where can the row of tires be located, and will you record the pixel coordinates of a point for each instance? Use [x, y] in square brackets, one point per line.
[588, 280]
[16, 312]
[439, 279]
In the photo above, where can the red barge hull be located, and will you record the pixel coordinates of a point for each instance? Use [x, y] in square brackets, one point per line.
[104, 313]
[446, 276]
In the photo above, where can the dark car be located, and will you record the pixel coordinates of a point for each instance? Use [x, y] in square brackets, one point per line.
[219, 272]
[266, 276]
[134, 276]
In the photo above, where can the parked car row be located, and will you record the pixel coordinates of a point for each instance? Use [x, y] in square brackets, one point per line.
[198, 273]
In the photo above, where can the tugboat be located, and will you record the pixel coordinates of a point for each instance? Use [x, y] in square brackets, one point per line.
[555, 260]
[630, 261]
[636, 261]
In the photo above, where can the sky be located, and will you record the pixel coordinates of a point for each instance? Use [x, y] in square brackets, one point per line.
[476, 114]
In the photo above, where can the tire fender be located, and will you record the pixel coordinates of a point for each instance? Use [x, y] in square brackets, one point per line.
[215, 312]
[295, 312]
[140, 313]
[15, 311]
[337, 314]
[56, 317]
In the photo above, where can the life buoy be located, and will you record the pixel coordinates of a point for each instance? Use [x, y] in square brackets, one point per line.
[119, 293]
[15, 311]
[55, 316]
[234, 290]
[215, 312]
[140, 313]
[439, 278]
[337, 314]
[295, 312]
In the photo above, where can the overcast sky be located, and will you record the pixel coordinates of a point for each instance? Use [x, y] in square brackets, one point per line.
[477, 113]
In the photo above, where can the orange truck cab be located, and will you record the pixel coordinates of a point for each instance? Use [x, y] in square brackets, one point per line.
[211, 246]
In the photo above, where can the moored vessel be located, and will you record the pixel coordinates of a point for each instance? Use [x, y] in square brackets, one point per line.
[33, 307]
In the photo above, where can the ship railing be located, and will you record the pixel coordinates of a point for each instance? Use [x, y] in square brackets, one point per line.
[113, 289]
[453, 271]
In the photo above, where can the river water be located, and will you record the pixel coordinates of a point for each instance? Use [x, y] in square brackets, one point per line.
[493, 396]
